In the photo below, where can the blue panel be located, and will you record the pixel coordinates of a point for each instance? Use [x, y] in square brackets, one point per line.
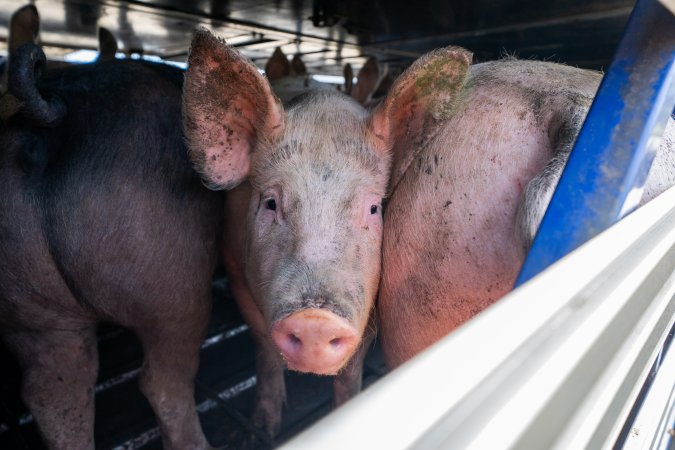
[614, 149]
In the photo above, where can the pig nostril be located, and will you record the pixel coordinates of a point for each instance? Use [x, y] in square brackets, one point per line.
[335, 342]
[294, 340]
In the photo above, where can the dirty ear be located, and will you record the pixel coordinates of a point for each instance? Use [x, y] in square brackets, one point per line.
[228, 107]
[277, 66]
[366, 81]
[427, 91]
[107, 45]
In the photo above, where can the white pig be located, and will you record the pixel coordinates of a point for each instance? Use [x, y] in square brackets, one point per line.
[303, 229]
[463, 216]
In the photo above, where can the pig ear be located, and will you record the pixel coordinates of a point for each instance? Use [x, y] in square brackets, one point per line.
[277, 66]
[366, 81]
[297, 66]
[107, 45]
[427, 91]
[228, 107]
[24, 27]
[349, 78]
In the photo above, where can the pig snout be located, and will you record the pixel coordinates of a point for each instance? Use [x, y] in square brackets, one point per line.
[315, 340]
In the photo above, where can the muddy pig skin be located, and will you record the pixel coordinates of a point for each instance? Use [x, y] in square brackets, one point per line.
[303, 238]
[102, 217]
[463, 216]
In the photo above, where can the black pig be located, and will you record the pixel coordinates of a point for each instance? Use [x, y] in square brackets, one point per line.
[102, 218]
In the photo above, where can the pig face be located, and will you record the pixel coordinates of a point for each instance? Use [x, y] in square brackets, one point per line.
[315, 217]
[317, 172]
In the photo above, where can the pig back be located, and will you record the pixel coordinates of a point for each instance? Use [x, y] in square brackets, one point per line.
[103, 213]
[451, 245]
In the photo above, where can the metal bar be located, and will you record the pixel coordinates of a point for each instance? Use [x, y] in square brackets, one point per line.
[261, 44]
[133, 373]
[654, 423]
[253, 27]
[245, 25]
[559, 373]
[606, 170]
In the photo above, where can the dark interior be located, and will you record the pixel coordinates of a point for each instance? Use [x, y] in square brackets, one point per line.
[330, 33]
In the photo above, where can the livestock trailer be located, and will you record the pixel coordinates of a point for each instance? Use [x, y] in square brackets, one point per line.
[577, 356]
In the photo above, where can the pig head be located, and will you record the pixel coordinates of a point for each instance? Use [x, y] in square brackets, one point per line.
[304, 214]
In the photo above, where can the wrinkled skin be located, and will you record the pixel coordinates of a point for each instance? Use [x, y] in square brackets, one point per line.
[103, 218]
[309, 180]
[460, 222]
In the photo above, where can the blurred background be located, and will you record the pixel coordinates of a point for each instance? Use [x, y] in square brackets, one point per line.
[329, 34]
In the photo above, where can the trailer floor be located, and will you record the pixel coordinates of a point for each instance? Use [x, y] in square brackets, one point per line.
[224, 390]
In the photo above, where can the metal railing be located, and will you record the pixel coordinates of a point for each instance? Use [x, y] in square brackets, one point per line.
[557, 363]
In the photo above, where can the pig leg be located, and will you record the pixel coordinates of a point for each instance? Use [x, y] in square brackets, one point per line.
[171, 347]
[271, 388]
[59, 376]
[348, 382]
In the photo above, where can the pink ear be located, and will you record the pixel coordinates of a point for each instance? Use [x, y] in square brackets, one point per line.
[228, 107]
[427, 91]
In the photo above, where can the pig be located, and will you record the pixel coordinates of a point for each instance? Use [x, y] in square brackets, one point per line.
[480, 173]
[290, 79]
[305, 184]
[25, 28]
[367, 81]
[102, 217]
[107, 45]
[381, 89]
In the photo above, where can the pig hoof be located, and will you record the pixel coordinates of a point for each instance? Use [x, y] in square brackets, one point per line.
[268, 419]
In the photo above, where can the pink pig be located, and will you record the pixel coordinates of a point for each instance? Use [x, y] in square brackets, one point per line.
[303, 213]
[460, 221]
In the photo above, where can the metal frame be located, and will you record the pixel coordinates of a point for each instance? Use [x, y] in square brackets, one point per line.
[607, 169]
[561, 361]
[652, 427]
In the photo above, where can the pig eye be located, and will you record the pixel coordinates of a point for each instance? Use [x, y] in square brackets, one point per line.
[271, 204]
[373, 209]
